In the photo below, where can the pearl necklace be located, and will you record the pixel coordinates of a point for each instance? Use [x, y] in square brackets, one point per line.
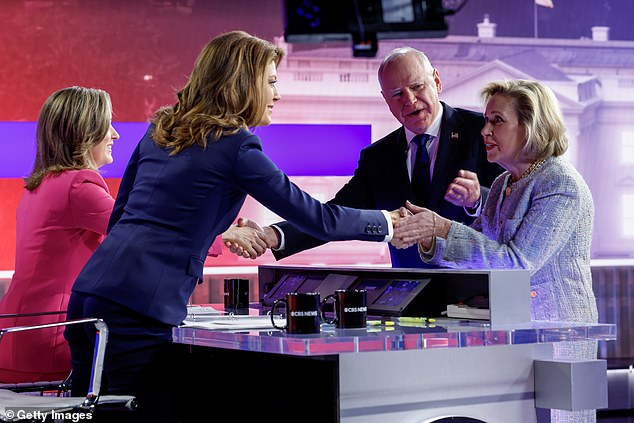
[532, 168]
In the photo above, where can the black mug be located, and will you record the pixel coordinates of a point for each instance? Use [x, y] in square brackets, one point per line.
[350, 308]
[236, 294]
[302, 312]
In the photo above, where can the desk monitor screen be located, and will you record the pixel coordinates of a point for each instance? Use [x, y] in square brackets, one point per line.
[288, 283]
[373, 287]
[311, 284]
[398, 294]
[332, 282]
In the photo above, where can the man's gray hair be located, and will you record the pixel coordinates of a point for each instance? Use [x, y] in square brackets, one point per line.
[402, 51]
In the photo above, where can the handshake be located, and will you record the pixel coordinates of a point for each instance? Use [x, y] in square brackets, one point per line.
[412, 224]
[417, 225]
[249, 240]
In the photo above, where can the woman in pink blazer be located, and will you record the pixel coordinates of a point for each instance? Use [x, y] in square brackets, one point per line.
[61, 219]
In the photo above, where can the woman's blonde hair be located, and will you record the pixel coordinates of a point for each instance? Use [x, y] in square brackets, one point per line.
[72, 121]
[225, 92]
[538, 112]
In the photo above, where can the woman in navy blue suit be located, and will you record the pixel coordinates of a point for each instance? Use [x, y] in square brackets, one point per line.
[185, 184]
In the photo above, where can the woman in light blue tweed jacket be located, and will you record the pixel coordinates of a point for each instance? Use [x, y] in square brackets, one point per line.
[538, 215]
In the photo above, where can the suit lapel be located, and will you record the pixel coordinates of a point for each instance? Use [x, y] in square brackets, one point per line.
[449, 134]
[401, 185]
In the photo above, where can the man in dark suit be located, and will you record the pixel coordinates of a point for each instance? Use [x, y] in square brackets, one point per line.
[411, 86]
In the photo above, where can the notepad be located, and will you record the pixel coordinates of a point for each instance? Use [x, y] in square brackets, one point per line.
[202, 310]
[234, 322]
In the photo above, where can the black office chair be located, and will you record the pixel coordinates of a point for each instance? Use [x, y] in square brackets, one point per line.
[11, 402]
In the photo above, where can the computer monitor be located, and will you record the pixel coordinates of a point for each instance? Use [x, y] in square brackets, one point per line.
[333, 282]
[288, 283]
[311, 284]
[373, 288]
[398, 295]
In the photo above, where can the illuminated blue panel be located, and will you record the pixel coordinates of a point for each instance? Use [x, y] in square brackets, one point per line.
[299, 150]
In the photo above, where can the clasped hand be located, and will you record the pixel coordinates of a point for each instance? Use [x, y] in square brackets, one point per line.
[414, 224]
[247, 239]
[420, 225]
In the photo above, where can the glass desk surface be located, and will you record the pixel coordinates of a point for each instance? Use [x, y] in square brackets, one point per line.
[251, 333]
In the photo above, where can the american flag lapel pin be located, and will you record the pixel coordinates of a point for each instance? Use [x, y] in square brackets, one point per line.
[454, 136]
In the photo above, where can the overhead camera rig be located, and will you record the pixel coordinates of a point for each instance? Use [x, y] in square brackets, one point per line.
[364, 22]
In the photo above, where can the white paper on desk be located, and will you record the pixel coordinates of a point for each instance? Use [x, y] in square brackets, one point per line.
[235, 322]
[202, 310]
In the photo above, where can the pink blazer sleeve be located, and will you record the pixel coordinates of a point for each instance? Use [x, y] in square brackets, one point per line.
[91, 201]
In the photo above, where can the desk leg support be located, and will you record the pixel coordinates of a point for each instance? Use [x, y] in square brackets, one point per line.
[571, 385]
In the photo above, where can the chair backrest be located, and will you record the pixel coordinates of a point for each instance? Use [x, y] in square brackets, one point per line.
[98, 356]
[11, 401]
[61, 386]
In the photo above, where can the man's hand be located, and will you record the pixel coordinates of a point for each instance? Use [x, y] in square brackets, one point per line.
[398, 214]
[413, 228]
[464, 191]
[272, 238]
[422, 226]
[246, 239]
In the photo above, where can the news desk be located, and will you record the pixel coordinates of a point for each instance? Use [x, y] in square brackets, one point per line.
[409, 372]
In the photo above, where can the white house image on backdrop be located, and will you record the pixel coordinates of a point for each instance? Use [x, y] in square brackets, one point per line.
[592, 78]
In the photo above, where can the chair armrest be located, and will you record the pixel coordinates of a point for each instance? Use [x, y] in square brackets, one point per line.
[98, 357]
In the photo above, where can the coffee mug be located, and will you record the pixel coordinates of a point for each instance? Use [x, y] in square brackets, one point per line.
[236, 294]
[302, 312]
[350, 308]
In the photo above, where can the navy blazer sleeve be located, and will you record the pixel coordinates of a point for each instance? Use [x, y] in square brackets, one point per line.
[329, 222]
[355, 193]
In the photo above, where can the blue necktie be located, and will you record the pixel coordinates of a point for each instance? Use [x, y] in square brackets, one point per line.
[421, 182]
